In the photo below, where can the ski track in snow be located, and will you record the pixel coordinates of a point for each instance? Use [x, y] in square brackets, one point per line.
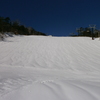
[49, 68]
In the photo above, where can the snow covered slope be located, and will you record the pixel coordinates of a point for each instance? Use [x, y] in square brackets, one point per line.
[49, 68]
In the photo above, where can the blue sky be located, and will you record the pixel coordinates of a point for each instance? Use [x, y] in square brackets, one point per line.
[53, 17]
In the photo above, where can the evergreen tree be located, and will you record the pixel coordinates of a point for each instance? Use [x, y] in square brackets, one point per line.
[7, 26]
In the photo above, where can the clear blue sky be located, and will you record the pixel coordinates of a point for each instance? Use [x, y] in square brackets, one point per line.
[54, 17]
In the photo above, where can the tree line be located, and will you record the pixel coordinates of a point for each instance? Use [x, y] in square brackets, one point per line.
[88, 32]
[6, 25]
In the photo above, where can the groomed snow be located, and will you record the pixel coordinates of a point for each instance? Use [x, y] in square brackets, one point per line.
[49, 68]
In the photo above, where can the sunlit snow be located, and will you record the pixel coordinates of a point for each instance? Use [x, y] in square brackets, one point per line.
[49, 68]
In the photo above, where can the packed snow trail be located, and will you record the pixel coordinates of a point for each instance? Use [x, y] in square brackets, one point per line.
[49, 68]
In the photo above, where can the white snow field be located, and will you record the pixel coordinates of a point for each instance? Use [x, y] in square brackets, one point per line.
[49, 68]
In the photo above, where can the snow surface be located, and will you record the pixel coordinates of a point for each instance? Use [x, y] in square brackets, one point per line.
[49, 68]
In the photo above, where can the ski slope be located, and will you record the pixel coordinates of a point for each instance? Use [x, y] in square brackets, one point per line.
[49, 68]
